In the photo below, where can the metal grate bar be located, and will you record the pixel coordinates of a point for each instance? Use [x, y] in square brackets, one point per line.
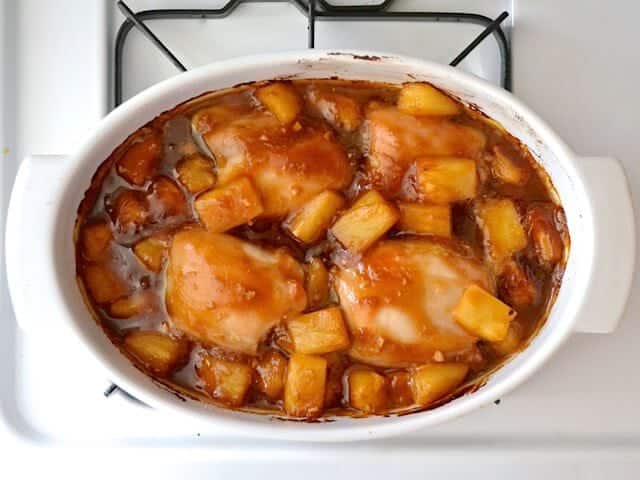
[308, 8]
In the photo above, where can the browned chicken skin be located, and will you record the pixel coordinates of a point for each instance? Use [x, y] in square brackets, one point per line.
[398, 300]
[288, 164]
[225, 291]
[396, 139]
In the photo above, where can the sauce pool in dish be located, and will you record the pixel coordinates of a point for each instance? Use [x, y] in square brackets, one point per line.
[320, 247]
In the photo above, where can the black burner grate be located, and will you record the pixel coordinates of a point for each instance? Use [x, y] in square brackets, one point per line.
[314, 11]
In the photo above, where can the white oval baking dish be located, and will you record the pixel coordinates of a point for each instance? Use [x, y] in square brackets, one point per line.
[593, 191]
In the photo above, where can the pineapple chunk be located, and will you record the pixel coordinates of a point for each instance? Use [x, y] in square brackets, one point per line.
[225, 381]
[196, 173]
[547, 243]
[187, 148]
[367, 391]
[271, 372]
[305, 387]
[372, 105]
[104, 284]
[95, 241]
[318, 332]
[340, 111]
[312, 220]
[167, 198]
[503, 232]
[138, 163]
[516, 286]
[483, 315]
[204, 118]
[424, 99]
[507, 170]
[128, 209]
[429, 219]
[152, 251]
[446, 179]
[372, 197]
[317, 283]
[365, 222]
[347, 113]
[433, 381]
[226, 207]
[282, 100]
[400, 394]
[136, 304]
[160, 353]
[511, 342]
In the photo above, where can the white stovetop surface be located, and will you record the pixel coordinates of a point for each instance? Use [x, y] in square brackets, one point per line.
[575, 64]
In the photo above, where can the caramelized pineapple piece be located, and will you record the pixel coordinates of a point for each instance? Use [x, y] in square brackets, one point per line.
[425, 219]
[225, 381]
[424, 99]
[432, 382]
[152, 251]
[281, 99]
[500, 224]
[128, 209]
[136, 304]
[204, 118]
[372, 105]
[271, 373]
[166, 199]
[226, 207]
[139, 162]
[446, 179]
[305, 386]
[95, 241]
[547, 243]
[340, 111]
[508, 170]
[365, 222]
[511, 342]
[367, 391]
[318, 332]
[400, 394]
[187, 148]
[317, 283]
[160, 353]
[196, 172]
[104, 284]
[310, 222]
[347, 113]
[483, 315]
[516, 286]
[336, 365]
[372, 197]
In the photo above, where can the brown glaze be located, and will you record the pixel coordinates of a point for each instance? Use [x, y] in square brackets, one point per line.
[146, 263]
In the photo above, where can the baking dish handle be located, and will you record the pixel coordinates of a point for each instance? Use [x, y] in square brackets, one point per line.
[614, 244]
[27, 245]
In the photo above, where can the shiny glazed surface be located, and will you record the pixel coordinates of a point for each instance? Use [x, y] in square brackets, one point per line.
[199, 261]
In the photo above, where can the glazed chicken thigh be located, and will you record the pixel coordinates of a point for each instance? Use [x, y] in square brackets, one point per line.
[395, 139]
[228, 292]
[398, 300]
[288, 165]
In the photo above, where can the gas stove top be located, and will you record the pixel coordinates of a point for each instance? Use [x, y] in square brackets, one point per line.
[585, 400]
